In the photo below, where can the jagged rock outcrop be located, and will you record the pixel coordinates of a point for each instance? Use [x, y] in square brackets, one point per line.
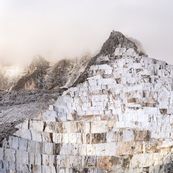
[64, 73]
[117, 39]
[5, 81]
[116, 117]
[41, 76]
[34, 77]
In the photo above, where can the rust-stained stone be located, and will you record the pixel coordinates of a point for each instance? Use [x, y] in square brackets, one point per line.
[149, 101]
[142, 135]
[35, 169]
[132, 100]
[149, 104]
[79, 126]
[87, 118]
[53, 127]
[116, 160]
[151, 147]
[105, 163]
[129, 148]
[49, 127]
[59, 127]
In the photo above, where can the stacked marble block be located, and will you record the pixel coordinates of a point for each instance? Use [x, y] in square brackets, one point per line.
[88, 146]
[119, 120]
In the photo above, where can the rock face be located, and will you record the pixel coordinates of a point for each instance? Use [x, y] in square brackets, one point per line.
[64, 73]
[117, 39]
[117, 117]
[41, 76]
[35, 76]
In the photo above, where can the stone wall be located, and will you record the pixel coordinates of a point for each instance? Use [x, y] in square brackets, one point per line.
[120, 120]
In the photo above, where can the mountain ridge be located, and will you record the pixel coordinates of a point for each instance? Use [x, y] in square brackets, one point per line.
[39, 99]
[43, 76]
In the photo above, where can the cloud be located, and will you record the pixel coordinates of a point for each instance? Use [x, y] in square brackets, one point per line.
[62, 28]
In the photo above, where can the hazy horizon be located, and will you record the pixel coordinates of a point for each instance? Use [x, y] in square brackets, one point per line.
[57, 29]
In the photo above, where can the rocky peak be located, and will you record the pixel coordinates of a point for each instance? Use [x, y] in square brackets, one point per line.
[38, 63]
[117, 39]
[35, 75]
[66, 73]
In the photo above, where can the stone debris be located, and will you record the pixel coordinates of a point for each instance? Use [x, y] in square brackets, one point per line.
[119, 119]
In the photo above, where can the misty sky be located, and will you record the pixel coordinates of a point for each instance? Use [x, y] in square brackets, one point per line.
[69, 28]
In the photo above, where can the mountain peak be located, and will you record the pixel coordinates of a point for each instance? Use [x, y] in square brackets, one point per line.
[117, 39]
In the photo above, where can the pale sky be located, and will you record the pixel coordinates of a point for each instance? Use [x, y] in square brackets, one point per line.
[70, 28]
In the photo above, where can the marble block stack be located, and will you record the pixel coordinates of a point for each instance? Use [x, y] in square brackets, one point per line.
[118, 120]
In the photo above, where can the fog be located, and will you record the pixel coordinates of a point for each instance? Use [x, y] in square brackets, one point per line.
[59, 29]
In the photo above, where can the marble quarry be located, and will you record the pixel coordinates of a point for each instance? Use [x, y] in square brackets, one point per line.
[119, 120]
